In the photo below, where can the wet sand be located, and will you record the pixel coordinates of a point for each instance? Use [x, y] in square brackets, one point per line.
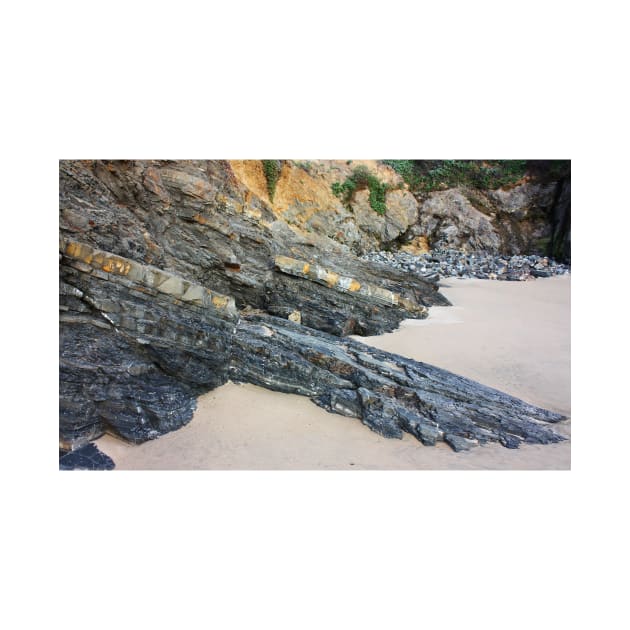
[514, 336]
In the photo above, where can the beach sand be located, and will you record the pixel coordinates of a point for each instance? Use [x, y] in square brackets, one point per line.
[514, 336]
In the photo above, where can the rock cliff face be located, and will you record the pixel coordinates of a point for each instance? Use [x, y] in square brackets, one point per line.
[176, 276]
[304, 200]
[522, 219]
[560, 240]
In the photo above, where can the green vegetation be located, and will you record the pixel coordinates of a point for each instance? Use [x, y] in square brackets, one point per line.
[428, 175]
[361, 179]
[406, 169]
[272, 174]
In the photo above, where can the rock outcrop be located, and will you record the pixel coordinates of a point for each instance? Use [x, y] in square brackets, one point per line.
[350, 306]
[137, 345]
[175, 277]
[304, 200]
[522, 219]
[87, 457]
[449, 219]
[389, 393]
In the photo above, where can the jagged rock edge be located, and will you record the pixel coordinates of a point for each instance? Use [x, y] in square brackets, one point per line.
[378, 410]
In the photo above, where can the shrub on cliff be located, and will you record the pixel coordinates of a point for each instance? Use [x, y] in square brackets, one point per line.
[429, 175]
[361, 179]
[272, 175]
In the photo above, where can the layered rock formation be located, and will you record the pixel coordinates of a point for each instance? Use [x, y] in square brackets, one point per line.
[389, 393]
[176, 276]
[137, 345]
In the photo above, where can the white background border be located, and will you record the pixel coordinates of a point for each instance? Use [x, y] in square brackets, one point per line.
[305, 81]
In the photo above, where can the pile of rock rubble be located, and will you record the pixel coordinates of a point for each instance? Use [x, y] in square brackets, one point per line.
[448, 263]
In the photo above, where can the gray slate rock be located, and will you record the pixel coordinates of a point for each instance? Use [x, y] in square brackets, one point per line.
[170, 285]
[451, 263]
[87, 457]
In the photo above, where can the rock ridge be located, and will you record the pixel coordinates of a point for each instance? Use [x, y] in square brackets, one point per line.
[177, 276]
[346, 284]
[389, 393]
[138, 345]
[96, 262]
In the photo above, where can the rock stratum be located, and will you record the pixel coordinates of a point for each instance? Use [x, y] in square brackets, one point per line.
[177, 276]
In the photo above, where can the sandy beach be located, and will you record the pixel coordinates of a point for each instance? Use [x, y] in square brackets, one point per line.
[514, 336]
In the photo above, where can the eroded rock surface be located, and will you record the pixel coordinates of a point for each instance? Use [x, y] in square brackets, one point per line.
[389, 393]
[176, 276]
[531, 217]
[138, 345]
[304, 200]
